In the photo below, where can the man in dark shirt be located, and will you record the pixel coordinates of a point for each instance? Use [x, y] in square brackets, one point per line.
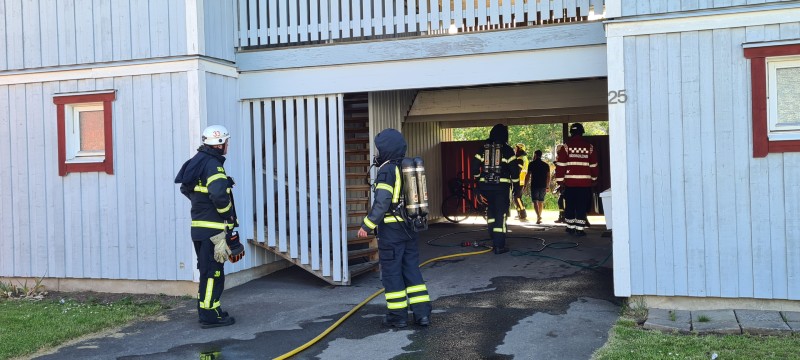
[539, 175]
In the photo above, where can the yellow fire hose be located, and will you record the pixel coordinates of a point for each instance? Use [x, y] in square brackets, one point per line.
[361, 304]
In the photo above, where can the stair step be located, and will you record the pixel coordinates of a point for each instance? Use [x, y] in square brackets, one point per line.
[352, 254]
[356, 151]
[356, 129]
[356, 175]
[358, 240]
[359, 188]
[360, 213]
[359, 269]
[356, 141]
[354, 163]
[358, 200]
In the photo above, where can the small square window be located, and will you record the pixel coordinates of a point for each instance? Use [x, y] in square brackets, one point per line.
[85, 141]
[783, 110]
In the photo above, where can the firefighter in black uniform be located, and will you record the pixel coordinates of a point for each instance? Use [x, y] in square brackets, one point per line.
[397, 241]
[493, 169]
[204, 182]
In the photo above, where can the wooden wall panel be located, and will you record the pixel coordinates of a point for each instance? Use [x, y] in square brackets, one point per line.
[646, 7]
[220, 19]
[727, 218]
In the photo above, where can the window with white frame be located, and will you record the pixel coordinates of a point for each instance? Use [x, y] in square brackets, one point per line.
[783, 104]
[85, 133]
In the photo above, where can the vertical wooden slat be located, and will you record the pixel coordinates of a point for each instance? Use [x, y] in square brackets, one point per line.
[519, 10]
[4, 44]
[777, 214]
[251, 22]
[494, 13]
[470, 11]
[791, 177]
[274, 29]
[358, 21]
[423, 16]
[570, 5]
[241, 24]
[291, 22]
[446, 16]
[584, 7]
[280, 134]
[646, 185]
[54, 212]
[270, 146]
[38, 246]
[677, 176]
[313, 24]
[598, 6]
[482, 16]
[163, 166]
[336, 135]
[302, 25]
[323, 115]
[263, 27]
[335, 23]
[90, 234]
[253, 109]
[367, 19]
[146, 235]
[659, 107]
[458, 13]
[66, 34]
[345, 19]
[291, 176]
[742, 156]
[184, 250]
[324, 21]
[388, 17]
[399, 17]
[314, 180]
[344, 273]
[690, 109]
[283, 22]
[506, 12]
[709, 175]
[543, 8]
[724, 127]
[302, 177]
[30, 34]
[558, 10]
[631, 57]
[411, 15]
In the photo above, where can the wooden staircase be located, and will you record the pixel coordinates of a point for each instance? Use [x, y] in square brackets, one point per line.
[362, 253]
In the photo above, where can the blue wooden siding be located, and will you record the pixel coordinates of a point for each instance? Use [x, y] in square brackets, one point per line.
[647, 7]
[220, 28]
[38, 33]
[706, 219]
[130, 225]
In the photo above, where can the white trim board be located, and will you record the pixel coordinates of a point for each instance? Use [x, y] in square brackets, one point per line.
[525, 39]
[509, 67]
[733, 18]
[114, 70]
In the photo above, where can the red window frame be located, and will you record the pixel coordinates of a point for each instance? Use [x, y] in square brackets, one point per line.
[107, 164]
[758, 81]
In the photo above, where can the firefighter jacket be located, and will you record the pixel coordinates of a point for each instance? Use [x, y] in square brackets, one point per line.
[204, 182]
[509, 171]
[523, 162]
[388, 186]
[576, 163]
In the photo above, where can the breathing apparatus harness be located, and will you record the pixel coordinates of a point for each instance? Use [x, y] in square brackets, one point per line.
[412, 205]
[492, 158]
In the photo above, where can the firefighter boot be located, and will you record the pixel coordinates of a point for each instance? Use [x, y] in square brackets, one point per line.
[523, 215]
[395, 320]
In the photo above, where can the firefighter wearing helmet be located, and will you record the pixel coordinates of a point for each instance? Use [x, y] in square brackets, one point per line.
[204, 181]
[576, 173]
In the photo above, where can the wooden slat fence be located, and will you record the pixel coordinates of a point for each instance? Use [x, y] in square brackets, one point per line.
[279, 23]
[299, 182]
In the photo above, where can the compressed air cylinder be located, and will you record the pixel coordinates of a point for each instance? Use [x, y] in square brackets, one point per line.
[410, 189]
[422, 186]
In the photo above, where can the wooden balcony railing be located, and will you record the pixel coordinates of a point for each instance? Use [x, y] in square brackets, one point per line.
[268, 23]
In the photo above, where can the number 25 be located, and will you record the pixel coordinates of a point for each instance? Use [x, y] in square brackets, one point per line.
[617, 97]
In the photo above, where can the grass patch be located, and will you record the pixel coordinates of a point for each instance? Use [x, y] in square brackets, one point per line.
[629, 341]
[636, 309]
[703, 318]
[29, 326]
[672, 316]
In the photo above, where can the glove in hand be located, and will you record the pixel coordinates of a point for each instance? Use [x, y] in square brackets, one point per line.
[221, 249]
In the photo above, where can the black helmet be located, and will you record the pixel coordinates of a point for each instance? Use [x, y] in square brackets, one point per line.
[576, 129]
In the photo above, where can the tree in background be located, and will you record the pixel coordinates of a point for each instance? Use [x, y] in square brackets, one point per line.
[543, 137]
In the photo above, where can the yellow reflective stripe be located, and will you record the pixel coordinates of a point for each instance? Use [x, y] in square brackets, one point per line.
[392, 219]
[490, 221]
[210, 225]
[419, 299]
[224, 209]
[207, 299]
[201, 189]
[397, 305]
[215, 177]
[216, 305]
[397, 186]
[479, 157]
[593, 165]
[498, 230]
[382, 186]
[505, 180]
[369, 223]
[416, 288]
[396, 295]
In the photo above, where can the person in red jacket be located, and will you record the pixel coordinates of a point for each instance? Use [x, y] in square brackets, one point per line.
[576, 173]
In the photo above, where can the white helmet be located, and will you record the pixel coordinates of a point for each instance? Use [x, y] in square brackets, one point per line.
[215, 135]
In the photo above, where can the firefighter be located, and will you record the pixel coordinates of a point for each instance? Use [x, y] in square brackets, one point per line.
[493, 169]
[519, 187]
[204, 181]
[397, 240]
[576, 174]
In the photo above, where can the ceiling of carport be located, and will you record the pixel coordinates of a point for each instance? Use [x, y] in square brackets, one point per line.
[539, 103]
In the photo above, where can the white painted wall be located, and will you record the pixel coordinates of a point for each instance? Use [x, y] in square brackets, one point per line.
[130, 225]
[219, 24]
[706, 219]
[646, 7]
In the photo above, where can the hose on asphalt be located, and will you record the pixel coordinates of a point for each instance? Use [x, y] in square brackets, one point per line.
[361, 304]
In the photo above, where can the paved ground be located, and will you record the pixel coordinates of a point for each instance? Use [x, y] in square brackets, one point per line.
[488, 306]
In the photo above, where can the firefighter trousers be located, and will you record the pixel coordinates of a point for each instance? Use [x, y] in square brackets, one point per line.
[212, 281]
[498, 198]
[400, 274]
[577, 203]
